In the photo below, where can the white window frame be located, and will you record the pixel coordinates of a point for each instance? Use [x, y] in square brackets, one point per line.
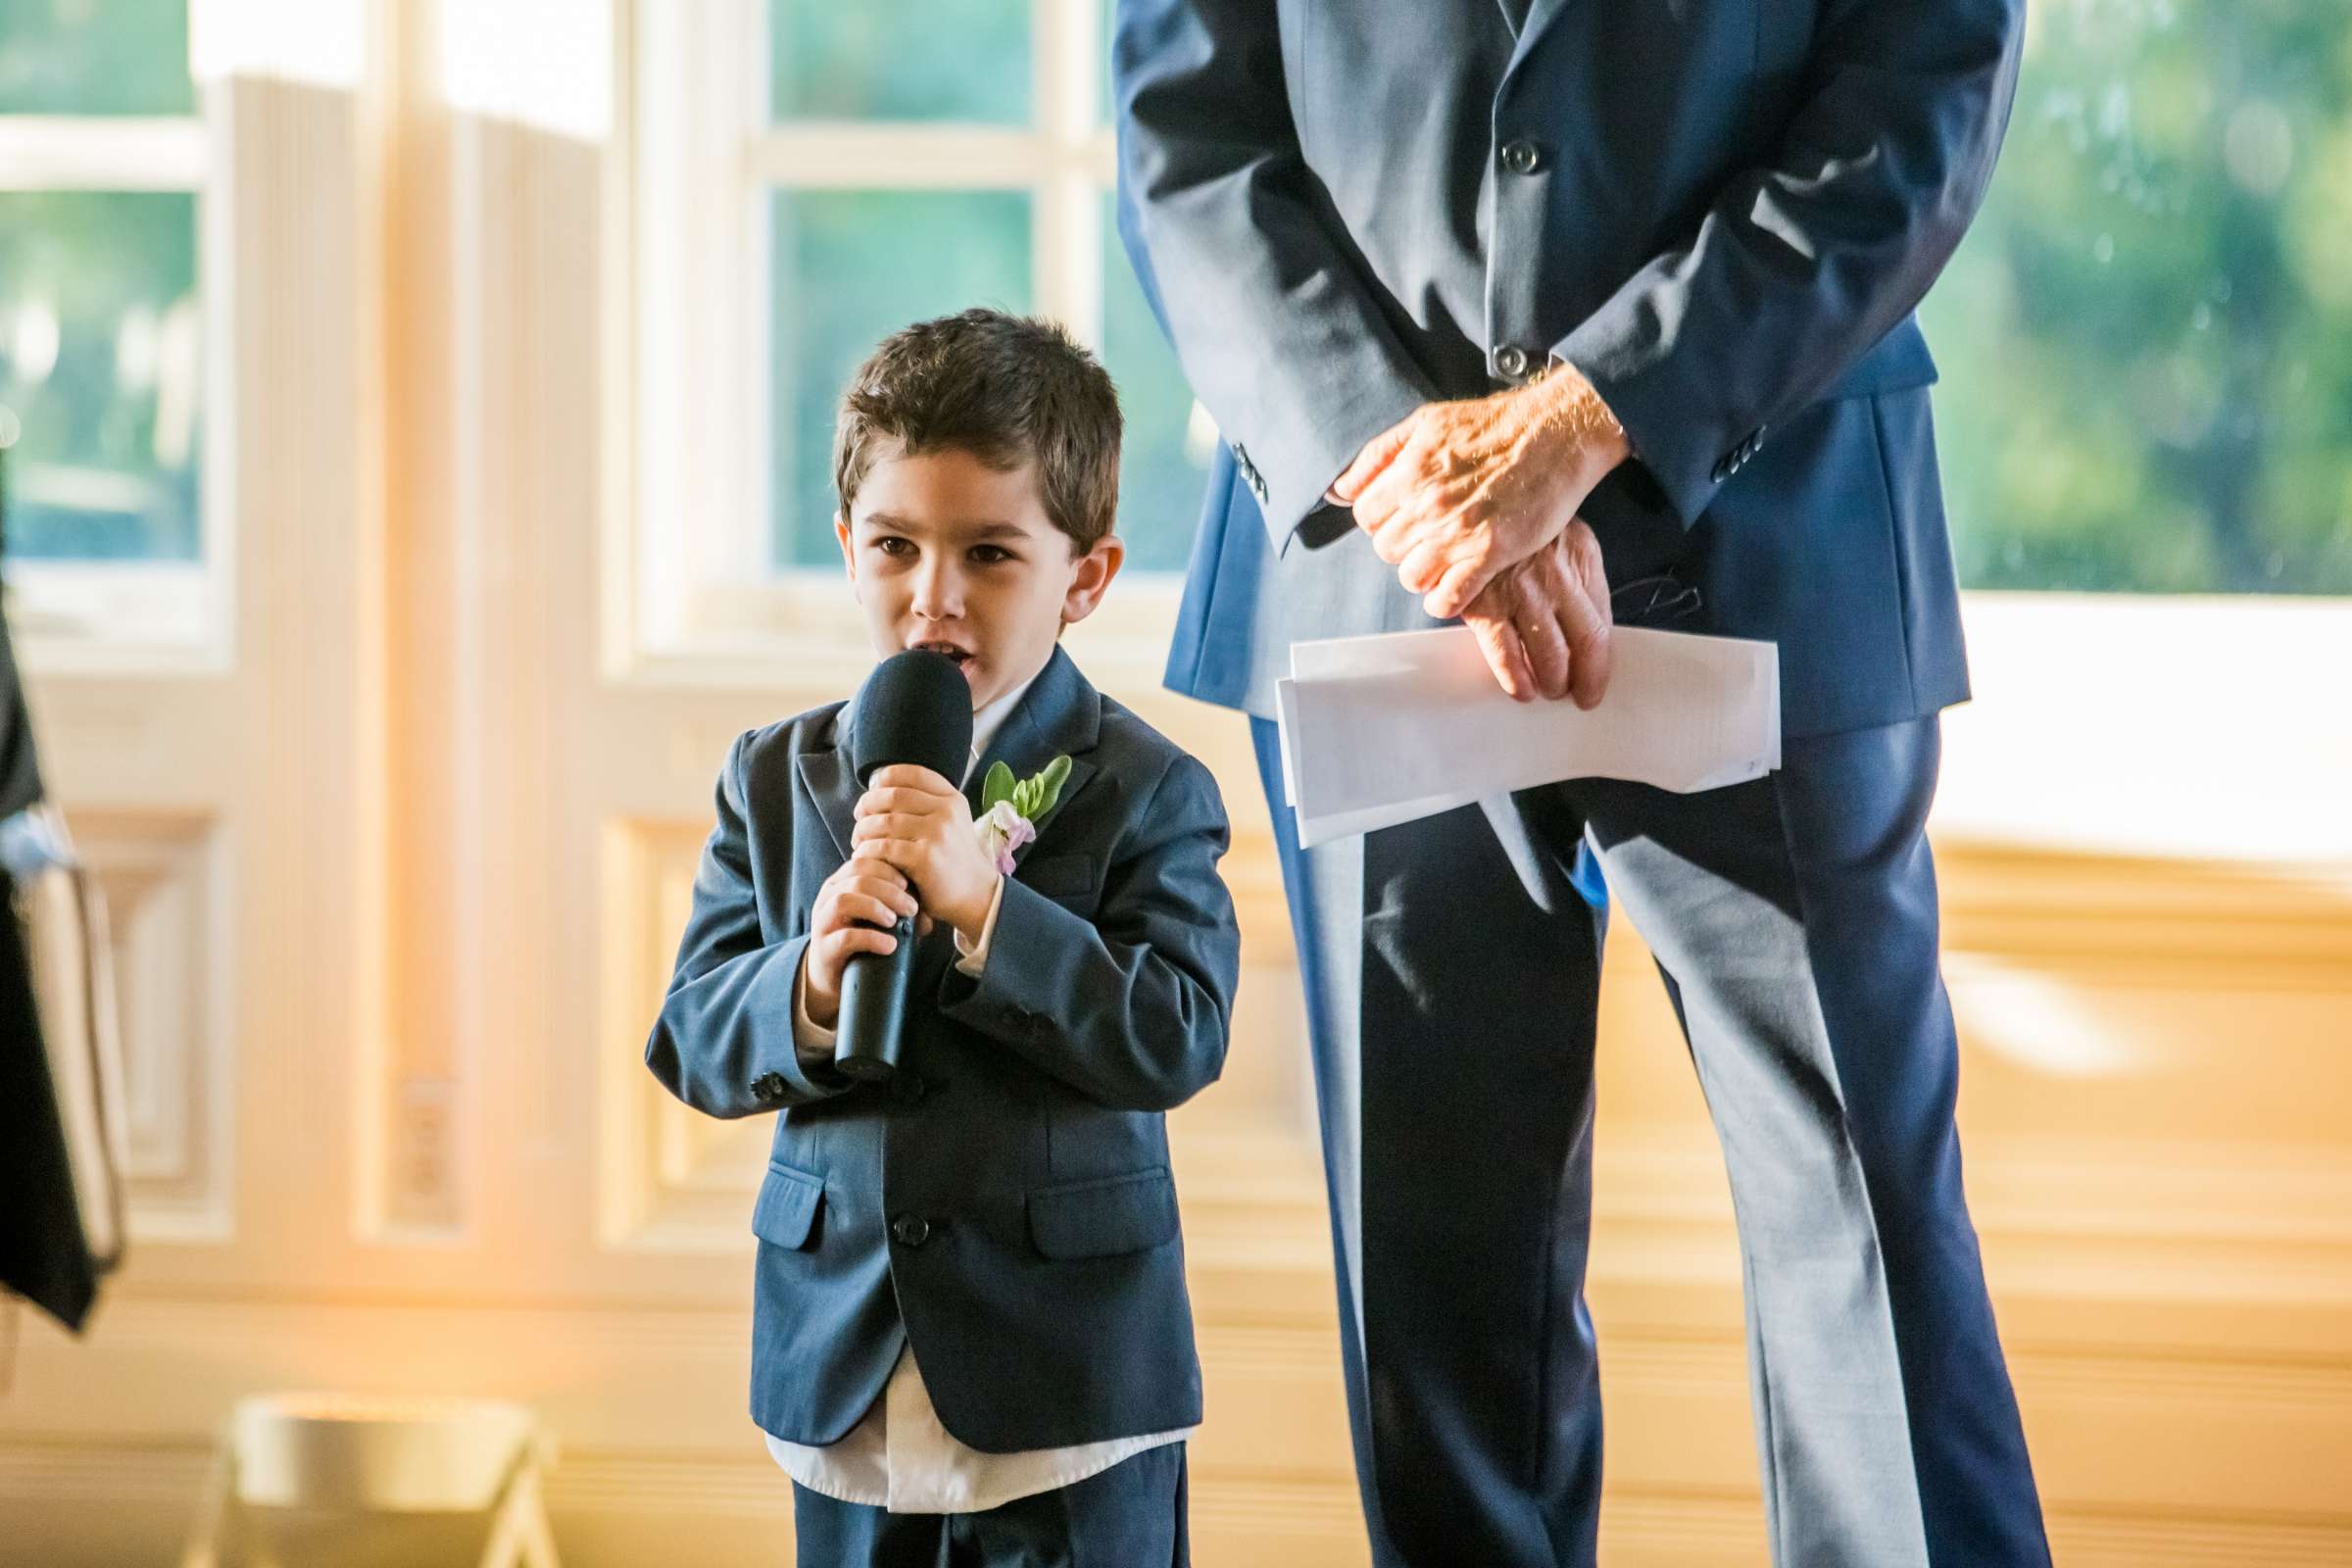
[699, 600]
[144, 616]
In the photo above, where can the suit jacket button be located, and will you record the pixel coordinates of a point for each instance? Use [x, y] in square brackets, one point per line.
[910, 1230]
[769, 1088]
[1510, 360]
[1721, 471]
[1521, 156]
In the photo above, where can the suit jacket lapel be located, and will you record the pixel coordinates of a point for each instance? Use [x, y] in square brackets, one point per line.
[1059, 715]
[832, 784]
[1514, 15]
[1534, 17]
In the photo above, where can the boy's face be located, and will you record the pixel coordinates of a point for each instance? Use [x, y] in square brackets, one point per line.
[947, 553]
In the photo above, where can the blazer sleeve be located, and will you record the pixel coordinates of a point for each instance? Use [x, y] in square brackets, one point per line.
[723, 1041]
[1803, 262]
[1268, 304]
[1131, 1008]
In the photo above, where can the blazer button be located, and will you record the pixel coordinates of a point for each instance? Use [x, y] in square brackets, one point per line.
[769, 1088]
[1721, 471]
[1521, 156]
[910, 1230]
[1510, 360]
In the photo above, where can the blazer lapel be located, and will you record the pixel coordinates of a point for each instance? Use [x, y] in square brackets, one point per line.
[1534, 17]
[832, 784]
[1061, 716]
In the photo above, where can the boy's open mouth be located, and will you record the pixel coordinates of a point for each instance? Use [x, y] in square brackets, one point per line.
[961, 656]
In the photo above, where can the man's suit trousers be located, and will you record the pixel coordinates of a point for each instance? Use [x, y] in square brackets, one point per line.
[1453, 971]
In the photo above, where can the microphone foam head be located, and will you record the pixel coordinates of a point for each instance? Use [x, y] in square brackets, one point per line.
[915, 709]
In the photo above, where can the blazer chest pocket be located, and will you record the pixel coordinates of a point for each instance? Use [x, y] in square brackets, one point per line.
[1105, 1218]
[789, 1201]
[1071, 878]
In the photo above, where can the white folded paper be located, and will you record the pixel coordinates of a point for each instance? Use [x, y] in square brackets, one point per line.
[1382, 730]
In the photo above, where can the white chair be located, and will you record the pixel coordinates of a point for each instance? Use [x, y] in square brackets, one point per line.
[364, 1454]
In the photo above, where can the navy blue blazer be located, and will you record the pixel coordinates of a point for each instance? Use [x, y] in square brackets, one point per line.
[1723, 211]
[1006, 1209]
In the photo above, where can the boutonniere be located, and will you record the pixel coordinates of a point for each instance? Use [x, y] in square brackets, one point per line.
[1009, 810]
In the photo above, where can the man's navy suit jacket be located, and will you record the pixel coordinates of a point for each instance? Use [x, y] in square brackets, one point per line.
[1723, 211]
[1007, 1208]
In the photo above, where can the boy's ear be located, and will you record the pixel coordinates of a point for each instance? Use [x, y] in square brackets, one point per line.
[849, 551]
[1090, 578]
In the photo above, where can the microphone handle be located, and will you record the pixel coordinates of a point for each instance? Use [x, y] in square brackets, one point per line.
[873, 1008]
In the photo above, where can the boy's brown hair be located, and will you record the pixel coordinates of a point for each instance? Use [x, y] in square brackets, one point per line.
[1005, 388]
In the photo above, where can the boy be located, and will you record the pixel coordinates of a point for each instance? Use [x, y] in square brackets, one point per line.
[970, 1333]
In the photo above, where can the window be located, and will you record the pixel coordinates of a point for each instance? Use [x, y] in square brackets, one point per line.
[873, 166]
[99, 322]
[102, 169]
[2147, 337]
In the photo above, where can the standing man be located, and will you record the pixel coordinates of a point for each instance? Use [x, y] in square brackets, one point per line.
[1529, 312]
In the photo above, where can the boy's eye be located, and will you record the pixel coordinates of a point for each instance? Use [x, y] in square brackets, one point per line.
[990, 555]
[890, 544]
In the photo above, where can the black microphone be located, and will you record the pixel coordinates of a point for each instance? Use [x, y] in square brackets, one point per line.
[914, 708]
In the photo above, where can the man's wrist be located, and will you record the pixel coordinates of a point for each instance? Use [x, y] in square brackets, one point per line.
[1575, 411]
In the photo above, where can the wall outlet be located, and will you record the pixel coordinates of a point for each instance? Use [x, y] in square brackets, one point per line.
[423, 1156]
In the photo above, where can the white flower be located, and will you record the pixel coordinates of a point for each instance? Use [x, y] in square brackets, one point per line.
[1004, 830]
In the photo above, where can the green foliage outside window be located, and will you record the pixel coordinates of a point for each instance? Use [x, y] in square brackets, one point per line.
[100, 373]
[952, 60]
[2146, 339]
[100, 336]
[95, 57]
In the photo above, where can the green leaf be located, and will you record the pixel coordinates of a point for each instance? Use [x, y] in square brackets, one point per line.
[996, 787]
[1049, 786]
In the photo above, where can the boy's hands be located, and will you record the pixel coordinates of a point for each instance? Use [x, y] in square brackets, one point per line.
[864, 894]
[914, 820]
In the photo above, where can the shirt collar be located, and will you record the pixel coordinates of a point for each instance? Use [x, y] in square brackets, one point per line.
[986, 722]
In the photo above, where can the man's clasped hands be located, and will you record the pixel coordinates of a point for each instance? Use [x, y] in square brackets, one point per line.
[1475, 504]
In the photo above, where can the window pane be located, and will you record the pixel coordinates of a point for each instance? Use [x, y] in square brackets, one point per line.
[94, 57]
[1163, 464]
[100, 373]
[963, 60]
[851, 268]
[2148, 338]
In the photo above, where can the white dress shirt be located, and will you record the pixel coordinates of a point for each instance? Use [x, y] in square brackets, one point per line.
[899, 1456]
